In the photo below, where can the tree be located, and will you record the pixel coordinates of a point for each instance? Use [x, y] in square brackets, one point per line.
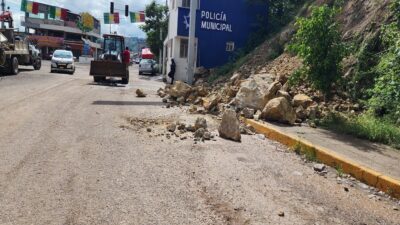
[318, 42]
[156, 22]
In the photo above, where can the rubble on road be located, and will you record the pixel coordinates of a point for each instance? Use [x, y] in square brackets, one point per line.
[140, 93]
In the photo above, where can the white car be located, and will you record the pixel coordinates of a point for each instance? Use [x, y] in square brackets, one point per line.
[63, 61]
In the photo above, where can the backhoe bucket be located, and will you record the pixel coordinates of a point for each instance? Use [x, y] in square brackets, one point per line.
[108, 69]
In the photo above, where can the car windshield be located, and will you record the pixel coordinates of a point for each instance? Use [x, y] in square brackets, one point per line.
[112, 44]
[63, 54]
[146, 61]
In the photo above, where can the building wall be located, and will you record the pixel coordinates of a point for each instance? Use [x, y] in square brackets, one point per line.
[217, 24]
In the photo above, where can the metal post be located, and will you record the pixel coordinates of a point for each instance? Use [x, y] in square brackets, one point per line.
[3, 8]
[160, 53]
[192, 42]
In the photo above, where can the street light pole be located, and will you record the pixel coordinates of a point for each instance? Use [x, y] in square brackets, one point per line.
[192, 42]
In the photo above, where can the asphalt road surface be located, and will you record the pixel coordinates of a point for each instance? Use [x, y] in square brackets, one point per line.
[75, 152]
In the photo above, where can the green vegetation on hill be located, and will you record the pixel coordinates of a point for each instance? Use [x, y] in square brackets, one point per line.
[318, 42]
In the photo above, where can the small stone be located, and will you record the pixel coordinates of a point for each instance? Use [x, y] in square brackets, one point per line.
[190, 128]
[346, 189]
[165, 100]
[313, 125]
[171, 127]
[207, 136]
[260, 136]
[281, 214]
[140, 93]
[371, 196]
[395, 208]
[181, 126]
[149, 129]
[319, 167]
[199, 133]
[248, 113]
[363, 186]
[200, 123]
[183, 138]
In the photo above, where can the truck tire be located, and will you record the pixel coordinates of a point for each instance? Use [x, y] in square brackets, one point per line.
[98, 79]
[13, 66]
[37, 64]
[125, 80]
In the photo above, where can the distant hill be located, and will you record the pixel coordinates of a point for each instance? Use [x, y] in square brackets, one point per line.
[135, 44]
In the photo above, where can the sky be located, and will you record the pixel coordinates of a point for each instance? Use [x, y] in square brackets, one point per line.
[96, 8]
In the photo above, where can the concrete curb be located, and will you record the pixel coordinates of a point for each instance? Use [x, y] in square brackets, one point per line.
[369, 176]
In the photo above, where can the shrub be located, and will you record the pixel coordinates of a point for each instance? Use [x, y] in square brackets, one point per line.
[386, 91]
[318, 42]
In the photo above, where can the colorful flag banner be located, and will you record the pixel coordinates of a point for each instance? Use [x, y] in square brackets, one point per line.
[137, 17]
[56, 12]
[30, 7]
[110, 18]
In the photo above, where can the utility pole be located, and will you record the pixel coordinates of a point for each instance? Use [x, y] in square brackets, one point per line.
[3, 8]
[192, 42]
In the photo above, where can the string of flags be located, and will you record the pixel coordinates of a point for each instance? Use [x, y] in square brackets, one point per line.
[114, 18]
[111, 18]
[54, 12]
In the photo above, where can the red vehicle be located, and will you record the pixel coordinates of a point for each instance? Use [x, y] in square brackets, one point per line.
[147, 54]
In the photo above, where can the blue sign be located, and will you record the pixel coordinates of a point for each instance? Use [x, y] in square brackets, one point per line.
[220, 25]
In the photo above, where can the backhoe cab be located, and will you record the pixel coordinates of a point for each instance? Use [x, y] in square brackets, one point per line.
[110, 63]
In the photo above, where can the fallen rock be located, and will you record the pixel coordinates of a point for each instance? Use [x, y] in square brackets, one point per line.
[140, 93]
[192, 108]
[200, 123]
[248, 113]
[149, 129]
[230, 126]
[181, 126]
[180, 89]
[279, 109]
[301, 113]
[211, 101]
[171, 127]
[284, 94]
[319, 167]
[250, 96]
[199, 133]
[190, 128]
[302, 100]
[207, 136]
[181, 100]
[272, 90]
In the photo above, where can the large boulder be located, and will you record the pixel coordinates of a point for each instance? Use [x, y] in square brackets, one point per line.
[180, 89]
[230, 126]
[302, 100]
[279, 109]
[250, 96]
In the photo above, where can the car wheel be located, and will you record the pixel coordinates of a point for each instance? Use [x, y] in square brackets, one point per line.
[14, 66]
[37, 65]
[140, 73]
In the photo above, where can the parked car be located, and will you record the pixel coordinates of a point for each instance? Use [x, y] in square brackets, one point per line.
[148, 66]
[136, 60]
[63, 61]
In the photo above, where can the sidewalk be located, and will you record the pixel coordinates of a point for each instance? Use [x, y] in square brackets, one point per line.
[365, 160]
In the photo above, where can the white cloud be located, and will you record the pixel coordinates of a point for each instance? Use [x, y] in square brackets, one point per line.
[96, 8]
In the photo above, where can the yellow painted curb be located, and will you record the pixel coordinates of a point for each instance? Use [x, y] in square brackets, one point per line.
[369, 176]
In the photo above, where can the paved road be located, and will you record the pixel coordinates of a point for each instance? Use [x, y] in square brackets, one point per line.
[73, 152]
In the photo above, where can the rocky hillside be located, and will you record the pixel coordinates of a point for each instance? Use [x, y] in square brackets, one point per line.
[259, 88]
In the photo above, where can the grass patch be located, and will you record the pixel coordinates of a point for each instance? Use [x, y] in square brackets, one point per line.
[365, 126]
[310, 154]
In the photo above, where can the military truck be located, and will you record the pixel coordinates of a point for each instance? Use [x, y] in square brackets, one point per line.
[16, 50]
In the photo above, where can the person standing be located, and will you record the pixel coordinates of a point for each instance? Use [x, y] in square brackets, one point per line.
[126, 57]
[171, 73]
